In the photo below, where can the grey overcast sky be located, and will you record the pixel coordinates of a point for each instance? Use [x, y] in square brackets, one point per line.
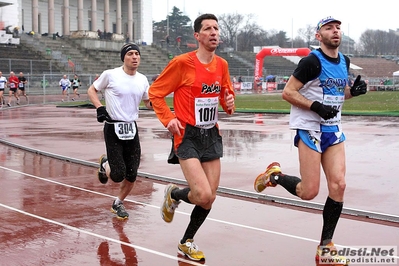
[290, 15]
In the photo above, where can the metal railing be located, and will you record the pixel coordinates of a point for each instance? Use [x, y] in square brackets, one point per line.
[48, 83]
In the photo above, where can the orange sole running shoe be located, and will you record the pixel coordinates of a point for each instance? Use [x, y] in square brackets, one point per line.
[263, 180]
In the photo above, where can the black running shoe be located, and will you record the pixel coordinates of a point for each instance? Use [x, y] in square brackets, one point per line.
[119, 210]
[102, 176]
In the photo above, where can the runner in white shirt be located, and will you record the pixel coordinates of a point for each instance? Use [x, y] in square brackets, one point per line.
[3, 84]
[124, 88]
[64, 84]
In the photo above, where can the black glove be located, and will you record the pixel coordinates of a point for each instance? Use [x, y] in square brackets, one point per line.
[358, 87]
[102, 114]
[324, 111]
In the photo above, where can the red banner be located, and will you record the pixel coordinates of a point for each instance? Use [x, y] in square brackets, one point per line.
[276, 52]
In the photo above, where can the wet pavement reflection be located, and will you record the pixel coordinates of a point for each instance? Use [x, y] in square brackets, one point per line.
[56, 213]
[129, 252]
[251, 142]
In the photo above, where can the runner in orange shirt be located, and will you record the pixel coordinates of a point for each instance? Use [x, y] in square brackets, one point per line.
[13, 85]
[200, 81]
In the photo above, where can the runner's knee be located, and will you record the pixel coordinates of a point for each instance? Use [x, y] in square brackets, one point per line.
[337, 187]
[309, 193]
[131, 177]
[118, 174]
[203, 198]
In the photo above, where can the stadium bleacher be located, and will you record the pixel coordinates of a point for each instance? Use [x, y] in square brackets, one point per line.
[154, 59]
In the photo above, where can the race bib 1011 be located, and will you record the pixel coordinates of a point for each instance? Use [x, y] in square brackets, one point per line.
[206, 112]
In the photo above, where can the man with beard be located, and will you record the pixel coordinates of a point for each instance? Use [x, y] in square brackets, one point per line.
[316, 91]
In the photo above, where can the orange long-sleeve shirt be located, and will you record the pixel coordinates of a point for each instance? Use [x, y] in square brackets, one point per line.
[193, 85]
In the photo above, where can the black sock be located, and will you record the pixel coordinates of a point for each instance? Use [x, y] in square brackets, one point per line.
[181, 194]
[288, 182]
[331, 213]
[198, 216]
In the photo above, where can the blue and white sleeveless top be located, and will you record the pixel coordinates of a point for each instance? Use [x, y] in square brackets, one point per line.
[329, 89]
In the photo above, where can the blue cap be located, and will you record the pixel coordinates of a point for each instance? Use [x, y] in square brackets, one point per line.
[325, 21]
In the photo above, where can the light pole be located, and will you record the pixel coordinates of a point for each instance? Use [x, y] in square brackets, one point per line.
[348, 38]
[292, 33]
[236, 42]
[167, 18]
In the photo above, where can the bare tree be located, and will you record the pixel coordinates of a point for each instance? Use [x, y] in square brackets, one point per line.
[298, 42]
[242, 33]
[251, 35]
[229, 27]
[308, 34]
[281, 39]
[377, 42]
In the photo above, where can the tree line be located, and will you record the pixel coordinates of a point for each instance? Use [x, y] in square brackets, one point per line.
[241, 33]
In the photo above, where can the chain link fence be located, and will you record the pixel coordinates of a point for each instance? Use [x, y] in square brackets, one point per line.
[48, 84]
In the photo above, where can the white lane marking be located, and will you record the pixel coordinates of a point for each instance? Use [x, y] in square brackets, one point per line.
[153, 206]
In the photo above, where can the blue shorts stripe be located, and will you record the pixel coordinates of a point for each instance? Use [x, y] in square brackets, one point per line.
[318, 141]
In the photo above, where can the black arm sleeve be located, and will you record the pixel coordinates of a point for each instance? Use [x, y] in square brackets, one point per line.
[308, 69]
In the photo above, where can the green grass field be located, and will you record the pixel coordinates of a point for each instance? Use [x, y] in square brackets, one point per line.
[372, 103]
[376, 103]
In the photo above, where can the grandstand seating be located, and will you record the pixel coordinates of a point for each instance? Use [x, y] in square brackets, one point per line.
[23, 60]
[89, 61]
[374, 67]
[243, 64]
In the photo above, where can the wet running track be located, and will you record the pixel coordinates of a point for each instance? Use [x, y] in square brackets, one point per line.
[55, 212]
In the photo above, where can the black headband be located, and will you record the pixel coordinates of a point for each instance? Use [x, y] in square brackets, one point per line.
[127, 47]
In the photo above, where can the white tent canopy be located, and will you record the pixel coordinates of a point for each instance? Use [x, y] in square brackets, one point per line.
[395, 74]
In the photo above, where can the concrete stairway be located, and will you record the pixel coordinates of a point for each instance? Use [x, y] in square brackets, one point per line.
[19, 59]
[90, 61]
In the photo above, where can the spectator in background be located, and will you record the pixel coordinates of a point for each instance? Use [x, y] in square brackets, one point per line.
[13, 86]
[178, 41]
[64, 84]
[239, 79]
[3, 85]
[75, 86]
[15, 33]
[167, 40]
[21, 85]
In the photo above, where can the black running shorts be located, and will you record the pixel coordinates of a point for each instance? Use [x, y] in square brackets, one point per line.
[203, 144]
[123, 155]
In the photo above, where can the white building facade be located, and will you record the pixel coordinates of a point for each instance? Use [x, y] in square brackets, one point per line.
[130, 18]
